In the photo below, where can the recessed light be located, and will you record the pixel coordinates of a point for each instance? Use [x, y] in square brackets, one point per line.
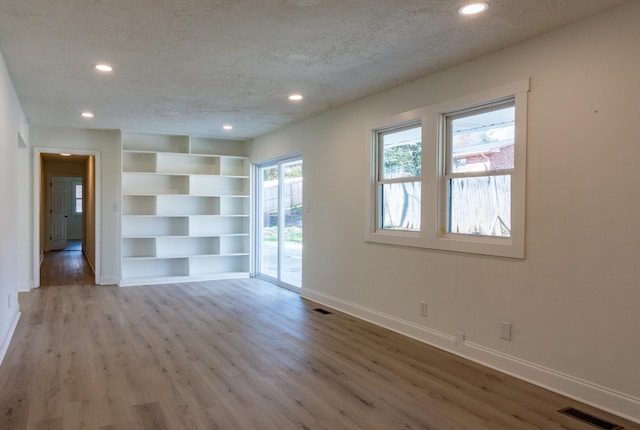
[295, 97]
[473, 8]
[227, 127]
[87, 115]
[64, 154]
[104, 67]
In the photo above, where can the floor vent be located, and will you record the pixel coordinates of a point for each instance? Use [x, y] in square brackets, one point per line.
[594, 421]
[322, 311]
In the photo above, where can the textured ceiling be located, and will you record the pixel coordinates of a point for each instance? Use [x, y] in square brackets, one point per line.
[189, 66]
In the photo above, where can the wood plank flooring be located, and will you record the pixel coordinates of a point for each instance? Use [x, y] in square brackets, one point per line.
[68, 267]
[243, 354]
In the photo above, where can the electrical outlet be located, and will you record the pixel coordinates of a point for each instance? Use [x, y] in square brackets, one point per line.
[459, 338]
[423, 309]
[9, 301]
[505, 330]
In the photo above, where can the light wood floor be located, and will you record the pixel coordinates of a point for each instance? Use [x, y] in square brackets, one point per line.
[65, 268]
[243, 355]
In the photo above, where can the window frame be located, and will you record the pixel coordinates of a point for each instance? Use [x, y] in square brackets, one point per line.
[448, 175]
[75, 184]
[381, 180]
[433, 233]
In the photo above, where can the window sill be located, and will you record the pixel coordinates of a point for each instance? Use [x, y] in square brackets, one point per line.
[468, 244]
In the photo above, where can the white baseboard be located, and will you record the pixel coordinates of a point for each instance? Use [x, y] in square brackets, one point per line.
[25, 286]
[109, 280]
[621, 404]
[6, 340]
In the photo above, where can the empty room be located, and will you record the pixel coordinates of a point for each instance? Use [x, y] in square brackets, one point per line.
[319, 214]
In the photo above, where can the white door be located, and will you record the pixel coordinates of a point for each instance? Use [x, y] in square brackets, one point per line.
[58, 214]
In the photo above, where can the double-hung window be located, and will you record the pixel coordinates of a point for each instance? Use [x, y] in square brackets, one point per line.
[479, 145]
[398, 177]
[451, 176]
[77, 207]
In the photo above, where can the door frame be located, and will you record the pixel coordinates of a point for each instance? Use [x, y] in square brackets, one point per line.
[37, 178]
[258, 225]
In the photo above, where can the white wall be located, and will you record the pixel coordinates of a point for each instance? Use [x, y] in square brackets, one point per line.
[13, 153]
[108, 144]
[573, 300]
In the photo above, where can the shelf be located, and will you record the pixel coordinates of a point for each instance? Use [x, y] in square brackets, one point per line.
[153, 184]
[138, 248]
[213, 265]
[155, 143]
[144, 268]
[218, 225]
[234, 245]
[230, 205]
[154, 226]
[187, 205]
[138, 205]
[185, 209]
[232, 166]
[186, 246]
[218, 185]
[204, 146]
[155, 280]
[188, 164]
[138, 162]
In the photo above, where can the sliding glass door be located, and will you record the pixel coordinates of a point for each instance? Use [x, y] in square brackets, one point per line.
[279, 236]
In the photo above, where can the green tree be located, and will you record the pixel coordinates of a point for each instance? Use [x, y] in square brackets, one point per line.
[403, 160]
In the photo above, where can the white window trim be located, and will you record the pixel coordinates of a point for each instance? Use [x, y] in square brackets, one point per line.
[74, 199]
[431, 234]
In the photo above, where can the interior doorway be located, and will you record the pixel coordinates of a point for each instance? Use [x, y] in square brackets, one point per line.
[279, 226]
[64, 261]
[65, 203]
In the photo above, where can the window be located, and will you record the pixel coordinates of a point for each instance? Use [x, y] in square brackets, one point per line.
[78, 198]
[451, 176]
[400, 165]
[479, 148]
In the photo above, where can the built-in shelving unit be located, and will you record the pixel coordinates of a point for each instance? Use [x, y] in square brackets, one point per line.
[185, 209]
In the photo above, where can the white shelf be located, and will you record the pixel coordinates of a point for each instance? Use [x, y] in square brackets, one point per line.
[188, 164]
[187, 205]
[235, 166]
[204, 146]
[155, 143]
[187, 246]
[138, 205]
[155, 268]
[154, 226]
[214, 265]
[218, 186]
[151, 280]
[138, 248]
[208, 225]
[185, 209]
[143, 183]
[138, 162]
[231, 205]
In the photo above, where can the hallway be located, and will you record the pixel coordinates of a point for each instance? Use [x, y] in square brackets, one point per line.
[65, 267]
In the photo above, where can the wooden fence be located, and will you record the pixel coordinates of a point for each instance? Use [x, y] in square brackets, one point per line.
[480, 205]
[291, 193]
